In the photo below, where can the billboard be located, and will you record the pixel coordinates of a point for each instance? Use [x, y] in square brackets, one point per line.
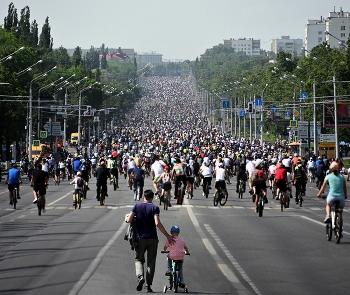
[343, 114]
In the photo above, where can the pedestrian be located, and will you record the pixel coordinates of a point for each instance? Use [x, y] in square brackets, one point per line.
[147, 220]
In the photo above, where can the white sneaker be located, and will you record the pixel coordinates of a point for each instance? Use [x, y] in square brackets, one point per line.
[203, 194]
[44, 210]
[35, 200]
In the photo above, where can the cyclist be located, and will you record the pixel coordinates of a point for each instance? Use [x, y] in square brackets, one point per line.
[113, 165]
[221, 174]
[320, 171]
[84, 172]
[281, 178]
[157, 169]
[101, 179]
[57, 171]
[78, 182]
[131, 166]
[311, 169]
[39, 182]
[165, 178]
[239, 170]
[62, 165]
[93, 164]
[337, 191]
[13, 179]
[139, 176]
[207, 174]
[250, 169]
[178, 174]
[272, 172]
[299, 178]
[176, 252]
[189, 177]
[259, 184]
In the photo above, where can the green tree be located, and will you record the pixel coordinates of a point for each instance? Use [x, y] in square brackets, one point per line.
[77, 57]
[11, 20]
[34, 33]
[24, 33]
[45, 40]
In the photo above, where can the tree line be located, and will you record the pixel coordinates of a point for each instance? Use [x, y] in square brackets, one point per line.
[21, 49]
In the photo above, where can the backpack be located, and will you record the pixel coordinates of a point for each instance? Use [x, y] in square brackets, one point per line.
[83, 167]
[115, 164]
[80, 182]
[188, 171]
[166, 178]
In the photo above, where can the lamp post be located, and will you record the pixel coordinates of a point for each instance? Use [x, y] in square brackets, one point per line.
[30, 119]
[29, 68]
[65, 109]
[8, 57]
[341, 42]
[261, 116]
[79, 115]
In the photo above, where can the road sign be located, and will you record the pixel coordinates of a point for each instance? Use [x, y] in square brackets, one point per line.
[303, 129]
[303, 95]
[242, 113]
[268, 113]
[293, 124]
[224, 96]
[258, 102]
[287, 113]
[36, 142]
[43, 134]
[258, 132]
[295, 113]
[262, 123]
[327, 138]
[225, 104]
[274, 109]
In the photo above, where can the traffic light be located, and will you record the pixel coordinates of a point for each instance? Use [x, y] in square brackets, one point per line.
[88, 111]
[250, 107]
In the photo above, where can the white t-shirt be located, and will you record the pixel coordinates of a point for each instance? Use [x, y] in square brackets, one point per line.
[250, 168]
[131, 164]
[76, 183]
[206, 171]
[220, 174]
[158, 168]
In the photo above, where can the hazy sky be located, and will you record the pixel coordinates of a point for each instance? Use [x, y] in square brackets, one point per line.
[178, 29]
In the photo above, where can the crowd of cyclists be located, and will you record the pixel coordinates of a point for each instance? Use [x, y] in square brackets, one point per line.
[167, 136]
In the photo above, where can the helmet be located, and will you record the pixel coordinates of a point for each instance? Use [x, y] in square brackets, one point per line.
[175, 229]
[166, 167]
[114, 154]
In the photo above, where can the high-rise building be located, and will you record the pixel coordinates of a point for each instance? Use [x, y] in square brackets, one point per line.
[250, 46]
[286, 44]
[315, 33]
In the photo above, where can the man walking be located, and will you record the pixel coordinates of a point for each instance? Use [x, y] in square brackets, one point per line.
[147, 220]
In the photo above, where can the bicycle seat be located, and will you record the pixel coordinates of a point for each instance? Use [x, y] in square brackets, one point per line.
[336, 202]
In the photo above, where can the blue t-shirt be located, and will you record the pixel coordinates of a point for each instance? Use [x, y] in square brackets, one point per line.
[138, 173]
[13, 176]
[76, 165]
[336, 185]
[145, 224]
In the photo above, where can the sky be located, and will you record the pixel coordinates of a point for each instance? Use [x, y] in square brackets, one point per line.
[178, 29]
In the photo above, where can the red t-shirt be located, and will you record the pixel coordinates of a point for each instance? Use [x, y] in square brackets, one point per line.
[281, 173]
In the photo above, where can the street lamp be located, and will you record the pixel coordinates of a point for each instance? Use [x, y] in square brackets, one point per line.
[29, 68]
[79, 115]
[65, 109]
[341, 42]
[10, 55]
[30, 119]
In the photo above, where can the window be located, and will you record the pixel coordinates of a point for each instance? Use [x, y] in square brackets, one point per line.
[342, 35]
[342, 28]
[320, 32]
[320, 39]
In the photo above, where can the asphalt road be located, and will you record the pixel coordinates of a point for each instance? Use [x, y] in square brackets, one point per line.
[233, 251]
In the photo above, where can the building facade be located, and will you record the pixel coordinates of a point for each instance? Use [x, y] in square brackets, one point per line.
[250, 46]
[315, 33]
[144, 58]
[288, 45]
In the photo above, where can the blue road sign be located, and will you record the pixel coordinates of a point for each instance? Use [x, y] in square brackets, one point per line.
[43, 134]
[257, 131]
[225, 104]
[212, 108]
[224, 96]
[303, 95]
[258, 101]
[242, 113]
[262, 123]
[274, 109]
[287, 113]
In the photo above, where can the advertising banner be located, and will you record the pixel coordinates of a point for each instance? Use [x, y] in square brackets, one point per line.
[343, 114]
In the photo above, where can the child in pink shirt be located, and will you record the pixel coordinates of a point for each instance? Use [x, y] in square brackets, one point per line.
[176, 252]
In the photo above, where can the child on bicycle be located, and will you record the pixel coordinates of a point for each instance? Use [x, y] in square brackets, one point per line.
[78, 182]
[176, 252]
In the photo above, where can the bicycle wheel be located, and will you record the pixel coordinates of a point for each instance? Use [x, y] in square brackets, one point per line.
[115, 184]
[337, 228]
[38, 203]
[14, 198]
[223, 199]
[165, 201]
[176, 281]
[281, 201]
[261, 206]
[240, 190]
[181, 194]
[206, 190]
[76, 200]
[329, 231]
[216, 198]
[80, 199]
[102, 199]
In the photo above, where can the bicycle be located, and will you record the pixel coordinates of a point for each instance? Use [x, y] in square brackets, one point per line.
[282, 202]
[220, 197]
[174, 279]
[206, 189]
[114, 182]
[299, 195]
[14, 197]
[240, 188]
[84, 191]
[78, 199]
[39, 202]
[261, 204]
[335, 224]
[137, 196]
[180, 193]
[102, 196]
[189, 190]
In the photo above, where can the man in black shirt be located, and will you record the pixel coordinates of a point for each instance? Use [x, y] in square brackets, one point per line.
[139, 175]
[102, 174]
[39, 182]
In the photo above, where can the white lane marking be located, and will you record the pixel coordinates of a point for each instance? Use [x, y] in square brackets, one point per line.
[61, 198]
[95, 263]
[22, 216]
[3, 192]
[231, 277]
[320, 223]
[231, 258]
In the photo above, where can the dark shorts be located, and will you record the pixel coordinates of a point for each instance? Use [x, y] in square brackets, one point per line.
[166, 186]
[12, 186]
[190, 180]
[130, 170]
[259, 185]
[282, 185]
[114, 171]
[40, 188]
[220, 183]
